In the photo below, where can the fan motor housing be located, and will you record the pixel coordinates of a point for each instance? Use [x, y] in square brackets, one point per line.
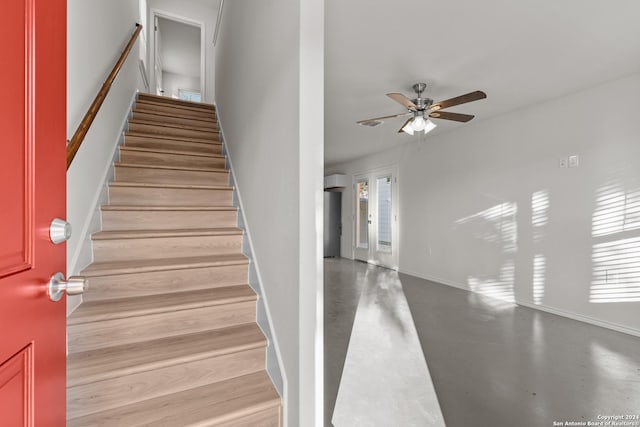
[422, 103]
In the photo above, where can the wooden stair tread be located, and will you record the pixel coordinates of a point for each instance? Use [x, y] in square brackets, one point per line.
[172, 138]
[97, 365]
[177, 111]
[189, 186]
[173, 101]
[147, 234]
[95, 311]
[168, 151]
[110, 268]
[166, 208]
[163, 125]
[161, 114]
[203, 406]
[165, 167]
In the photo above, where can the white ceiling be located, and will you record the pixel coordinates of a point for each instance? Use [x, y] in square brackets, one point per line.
[519, 52]
[180, 48]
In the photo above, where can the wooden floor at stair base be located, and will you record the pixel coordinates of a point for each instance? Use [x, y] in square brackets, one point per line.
[240, 400]
[115, 392]
[167, 333]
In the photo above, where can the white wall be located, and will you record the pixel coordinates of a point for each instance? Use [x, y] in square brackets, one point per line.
[97, 33]
[277, 158]
[200, 11]
[171, 82]
[486, 207]
[180, 47]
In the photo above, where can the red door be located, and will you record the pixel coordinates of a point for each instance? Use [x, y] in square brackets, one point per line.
[32, 193]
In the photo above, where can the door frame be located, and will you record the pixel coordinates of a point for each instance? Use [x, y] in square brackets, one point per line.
[158, 13]
[372, 175]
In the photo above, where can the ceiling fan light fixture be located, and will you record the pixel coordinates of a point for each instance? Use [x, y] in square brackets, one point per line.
[429, 126]
[418, 123]
[408, 128]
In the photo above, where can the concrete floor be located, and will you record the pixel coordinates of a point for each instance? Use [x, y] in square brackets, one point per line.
[490, 363]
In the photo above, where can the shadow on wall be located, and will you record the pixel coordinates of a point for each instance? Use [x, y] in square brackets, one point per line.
[616, 236]
[510, 245]
[494, 235]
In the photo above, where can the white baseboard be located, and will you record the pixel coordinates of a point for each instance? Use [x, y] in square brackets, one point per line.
[547, 309]
[436, 279]
[275, 370]
[581, 318]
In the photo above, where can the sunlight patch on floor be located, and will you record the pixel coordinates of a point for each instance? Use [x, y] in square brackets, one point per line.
[386, 381]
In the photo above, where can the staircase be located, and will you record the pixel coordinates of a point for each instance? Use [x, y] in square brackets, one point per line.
[166, 335]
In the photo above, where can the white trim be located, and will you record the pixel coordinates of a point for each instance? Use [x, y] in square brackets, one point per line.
[436, 279]
[581, 318]
[143, 73]
[311, 211]
[247, 235]
[558, 312]
[173, 17]
[218, 22]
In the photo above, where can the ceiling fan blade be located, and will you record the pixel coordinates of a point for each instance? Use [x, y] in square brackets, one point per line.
[457, 117]
[405, 123]
[403, 100]
[376, 119]
[462, 99]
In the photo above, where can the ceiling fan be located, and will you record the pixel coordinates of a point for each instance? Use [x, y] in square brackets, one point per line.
[422, 109]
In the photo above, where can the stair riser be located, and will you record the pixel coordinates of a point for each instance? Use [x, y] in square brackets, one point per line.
[166, 220]
[164, 159]
[173, 131]
[183, 121]
[95, 335]
[161, 247]
[159, 282]
[102, 395]
[139, 196]
[267, 418]
[170, 176]
[163, 144]
[151, 107]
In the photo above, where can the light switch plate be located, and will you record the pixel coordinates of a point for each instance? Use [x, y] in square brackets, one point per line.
[574, 161]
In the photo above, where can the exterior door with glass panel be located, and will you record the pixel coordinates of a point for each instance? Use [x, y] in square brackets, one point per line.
[375, 217]
[363, 218]
[382, 249]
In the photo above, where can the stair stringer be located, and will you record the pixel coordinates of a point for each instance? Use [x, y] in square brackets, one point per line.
[274, 358]
[83, 255]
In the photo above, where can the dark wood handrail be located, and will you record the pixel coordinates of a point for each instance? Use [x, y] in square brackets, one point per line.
[85, 124]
